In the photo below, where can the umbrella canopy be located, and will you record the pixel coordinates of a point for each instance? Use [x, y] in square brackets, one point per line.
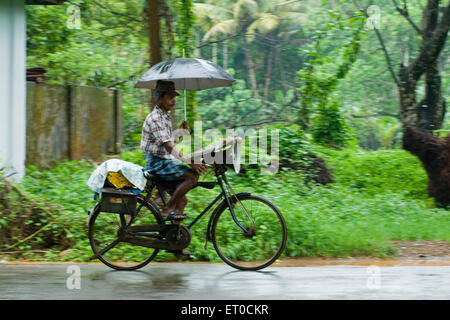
[187, 74]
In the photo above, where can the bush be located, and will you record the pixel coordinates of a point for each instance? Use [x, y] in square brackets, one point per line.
[378, 172]
[28, 224]
[378, 196]
[330, 128]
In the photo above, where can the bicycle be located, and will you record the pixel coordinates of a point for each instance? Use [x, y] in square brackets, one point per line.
[248, 232]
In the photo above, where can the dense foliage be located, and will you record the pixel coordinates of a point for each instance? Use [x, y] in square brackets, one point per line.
[311, 69]
[282, 37]
[378, 196]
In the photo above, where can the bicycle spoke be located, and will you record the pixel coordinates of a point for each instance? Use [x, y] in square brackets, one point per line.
[104, 231]
[261, 245]
[106, 249]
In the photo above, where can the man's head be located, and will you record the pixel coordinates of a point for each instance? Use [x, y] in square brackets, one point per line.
[165, 94]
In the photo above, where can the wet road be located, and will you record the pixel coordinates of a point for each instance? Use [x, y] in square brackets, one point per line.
[180, 281]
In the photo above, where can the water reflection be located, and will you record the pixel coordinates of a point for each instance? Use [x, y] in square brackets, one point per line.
[145, 282]
[250, 283]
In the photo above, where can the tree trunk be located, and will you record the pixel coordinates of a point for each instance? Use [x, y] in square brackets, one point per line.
[281, 67]
[419, 119]
[214, 52]
[197, 52]
[154, 36]
[225, 55]
[251, 68]
[432, 107]
[429, 113]
[434, 153]
[407, 96]
[268, 76]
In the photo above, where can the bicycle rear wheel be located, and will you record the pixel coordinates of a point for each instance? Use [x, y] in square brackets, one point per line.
[104, 228]
[264, 240]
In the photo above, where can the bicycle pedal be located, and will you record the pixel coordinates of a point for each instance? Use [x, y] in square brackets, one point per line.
[176, 219]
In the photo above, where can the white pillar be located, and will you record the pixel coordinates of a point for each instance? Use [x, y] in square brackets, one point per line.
[12, 88]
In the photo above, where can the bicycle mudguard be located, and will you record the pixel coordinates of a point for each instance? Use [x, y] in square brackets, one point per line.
[219, 206]
[92, 211]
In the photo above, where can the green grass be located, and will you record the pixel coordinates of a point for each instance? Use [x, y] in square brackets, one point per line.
[344, 220]
[376, 172]
[378, 196]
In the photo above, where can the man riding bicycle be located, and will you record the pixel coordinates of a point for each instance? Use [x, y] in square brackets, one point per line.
[163, 158]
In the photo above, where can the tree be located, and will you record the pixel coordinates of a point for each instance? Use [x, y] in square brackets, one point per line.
[428, 114]
[270, 20]
[233, 21]
[275, 21]
[87, 56]
[154, 29]
[319, 80]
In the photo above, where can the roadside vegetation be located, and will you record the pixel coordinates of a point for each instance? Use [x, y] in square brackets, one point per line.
[377, 196]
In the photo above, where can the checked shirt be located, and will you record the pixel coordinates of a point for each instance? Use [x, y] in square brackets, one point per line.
[157, 129]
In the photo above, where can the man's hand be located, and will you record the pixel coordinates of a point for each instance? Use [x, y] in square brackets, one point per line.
[184, 126]
[199, 167]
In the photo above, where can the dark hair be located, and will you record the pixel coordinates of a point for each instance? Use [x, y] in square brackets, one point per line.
[162, 88]
[158, 95]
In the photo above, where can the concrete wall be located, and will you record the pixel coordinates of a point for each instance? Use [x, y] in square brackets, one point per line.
[47, 124]
[12, 88]
[71, 123]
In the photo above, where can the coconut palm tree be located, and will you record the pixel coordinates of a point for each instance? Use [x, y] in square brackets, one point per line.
[277, 21]
[273, 20]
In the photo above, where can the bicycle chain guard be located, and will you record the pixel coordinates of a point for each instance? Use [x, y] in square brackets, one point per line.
[175, 237]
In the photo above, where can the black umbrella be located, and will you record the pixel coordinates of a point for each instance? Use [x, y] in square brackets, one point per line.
[187, 74]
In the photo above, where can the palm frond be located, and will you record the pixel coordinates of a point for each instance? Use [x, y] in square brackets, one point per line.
[224, 27]
[204, 10]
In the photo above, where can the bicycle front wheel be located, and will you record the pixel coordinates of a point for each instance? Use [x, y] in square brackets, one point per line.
[263, 240]
[104, 228]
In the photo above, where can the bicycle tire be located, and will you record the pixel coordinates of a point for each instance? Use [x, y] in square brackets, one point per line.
[122, 265]
[243, 251]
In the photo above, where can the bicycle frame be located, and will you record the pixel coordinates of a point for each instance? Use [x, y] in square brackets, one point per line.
[223, 194]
